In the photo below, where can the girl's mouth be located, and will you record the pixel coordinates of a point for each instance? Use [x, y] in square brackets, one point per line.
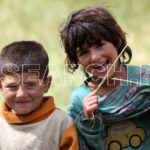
[101, 68]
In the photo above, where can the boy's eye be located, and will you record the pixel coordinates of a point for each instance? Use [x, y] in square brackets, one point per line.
[12, 86]
[30, 85]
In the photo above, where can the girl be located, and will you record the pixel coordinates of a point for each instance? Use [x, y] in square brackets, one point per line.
[112, 113]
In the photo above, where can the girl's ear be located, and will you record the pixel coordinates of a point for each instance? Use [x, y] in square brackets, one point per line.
[119, 43]
[47, 84]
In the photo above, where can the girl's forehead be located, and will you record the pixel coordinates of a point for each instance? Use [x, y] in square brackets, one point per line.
[87, 45]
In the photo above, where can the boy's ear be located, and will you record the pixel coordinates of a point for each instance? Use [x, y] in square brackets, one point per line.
[47, 84]
[0, 86]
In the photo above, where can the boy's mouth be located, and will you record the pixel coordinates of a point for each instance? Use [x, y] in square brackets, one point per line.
[22, 102]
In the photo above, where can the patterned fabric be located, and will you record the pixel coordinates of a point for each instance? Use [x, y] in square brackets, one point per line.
[126, 101]
[129, 99]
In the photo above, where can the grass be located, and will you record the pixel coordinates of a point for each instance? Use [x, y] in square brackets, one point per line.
[39, 20]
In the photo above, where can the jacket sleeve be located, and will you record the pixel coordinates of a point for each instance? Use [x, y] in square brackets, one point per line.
[69, 140]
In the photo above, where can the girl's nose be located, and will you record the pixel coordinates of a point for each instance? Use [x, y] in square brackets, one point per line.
[20, 92]
[95, 56]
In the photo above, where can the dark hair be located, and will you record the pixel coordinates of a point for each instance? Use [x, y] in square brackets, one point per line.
[91, 25]
[23, 56]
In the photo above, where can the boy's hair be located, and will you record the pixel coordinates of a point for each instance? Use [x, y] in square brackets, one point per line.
[91, 25]
[24, 56]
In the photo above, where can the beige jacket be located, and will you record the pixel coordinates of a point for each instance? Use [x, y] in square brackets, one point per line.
[46, 129]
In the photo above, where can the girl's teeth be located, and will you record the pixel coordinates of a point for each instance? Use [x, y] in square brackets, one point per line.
[103, 69]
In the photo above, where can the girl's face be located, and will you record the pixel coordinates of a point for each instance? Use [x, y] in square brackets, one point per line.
[98, 59]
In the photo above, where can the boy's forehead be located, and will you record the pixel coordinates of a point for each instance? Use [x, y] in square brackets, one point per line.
[25, 76]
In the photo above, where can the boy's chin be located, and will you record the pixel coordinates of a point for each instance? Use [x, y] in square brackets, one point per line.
[22, 112]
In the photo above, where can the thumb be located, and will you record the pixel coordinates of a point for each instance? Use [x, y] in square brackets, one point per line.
[93, 93]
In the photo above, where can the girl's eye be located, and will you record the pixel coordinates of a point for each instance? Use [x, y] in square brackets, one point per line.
[82, 53]
[100, 45]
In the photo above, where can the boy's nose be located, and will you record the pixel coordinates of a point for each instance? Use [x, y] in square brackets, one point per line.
[20, 92]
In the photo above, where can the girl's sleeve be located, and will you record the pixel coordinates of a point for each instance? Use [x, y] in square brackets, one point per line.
[75, 106]
[89, 133]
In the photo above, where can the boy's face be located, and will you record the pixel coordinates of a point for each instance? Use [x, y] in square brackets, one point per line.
[23, 92]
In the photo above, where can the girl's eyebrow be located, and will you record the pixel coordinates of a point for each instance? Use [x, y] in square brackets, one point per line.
[83, 48]
[78, 50]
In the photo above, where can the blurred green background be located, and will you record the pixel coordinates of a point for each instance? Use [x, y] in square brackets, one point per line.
[40, 20]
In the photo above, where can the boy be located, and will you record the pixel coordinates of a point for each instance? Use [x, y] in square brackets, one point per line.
[28, 120]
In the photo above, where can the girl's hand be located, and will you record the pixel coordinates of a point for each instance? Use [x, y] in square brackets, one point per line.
[90, 104]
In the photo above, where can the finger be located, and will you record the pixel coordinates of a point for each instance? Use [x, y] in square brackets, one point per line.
[91, 109]
[93, 102]
[90, 100]
[88, 106]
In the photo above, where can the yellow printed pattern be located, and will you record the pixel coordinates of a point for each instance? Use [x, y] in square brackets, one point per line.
[124, 134]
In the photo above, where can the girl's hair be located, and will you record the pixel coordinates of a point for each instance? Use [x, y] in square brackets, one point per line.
[91, 25]
[24, 56]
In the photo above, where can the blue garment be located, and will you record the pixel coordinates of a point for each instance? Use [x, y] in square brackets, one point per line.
[125, 102]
